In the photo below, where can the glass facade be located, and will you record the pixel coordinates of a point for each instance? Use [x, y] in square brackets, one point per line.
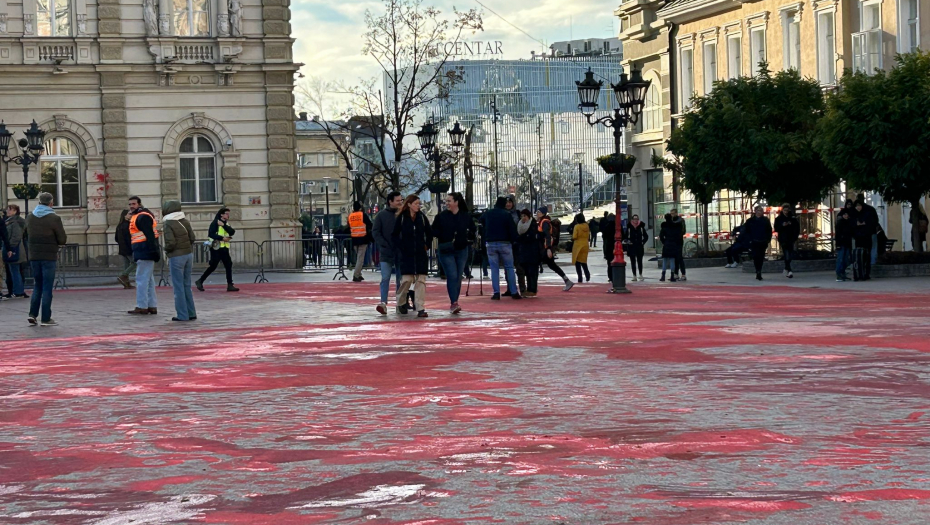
[527, 130]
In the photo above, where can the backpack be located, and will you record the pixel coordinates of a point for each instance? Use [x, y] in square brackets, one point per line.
[556, 233]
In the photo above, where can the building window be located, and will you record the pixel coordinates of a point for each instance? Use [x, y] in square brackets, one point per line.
[60, 169]
[826, 49]
[587, 46]
[791, 38]
[606, 47]
[319, 160]
[687, 77]
[53, 17]
[652, 110]
[191, 18]
[198, 170]
[710, 66]
[734, 56]
[757, 49]
[867, 43]
[909, 35]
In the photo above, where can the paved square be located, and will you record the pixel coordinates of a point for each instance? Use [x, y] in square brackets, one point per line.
[295, 403]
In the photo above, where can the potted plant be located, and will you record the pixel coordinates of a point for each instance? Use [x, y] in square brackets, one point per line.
[26, 191]
[617, 163]
[439, 185]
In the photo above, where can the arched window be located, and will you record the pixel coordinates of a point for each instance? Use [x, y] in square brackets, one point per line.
[53, 17]
[198, 170]
[192, 17]
[652, 110]
[60, 170]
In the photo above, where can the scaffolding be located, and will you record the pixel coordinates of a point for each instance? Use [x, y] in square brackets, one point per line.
[528, 136]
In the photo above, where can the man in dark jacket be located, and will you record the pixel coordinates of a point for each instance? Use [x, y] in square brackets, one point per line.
[500, 232]
[595, 226]
[870, 216]
[864, 225]
[788, 230]
[758, 233]
[382, 231]
[844, 240]
[602, 226]
[46, 236]
[678, 227]
[4, 246]
[146, 252]
[125, 249]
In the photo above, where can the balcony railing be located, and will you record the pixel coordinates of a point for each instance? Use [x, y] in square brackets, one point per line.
[194, 52]
[56, 52]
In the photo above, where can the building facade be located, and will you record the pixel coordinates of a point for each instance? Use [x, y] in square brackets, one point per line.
[684, 46]
[163, 99]
[322, 170]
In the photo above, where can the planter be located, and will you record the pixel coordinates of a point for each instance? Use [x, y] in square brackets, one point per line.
[439, 186]
[22, 191]
[617, 163]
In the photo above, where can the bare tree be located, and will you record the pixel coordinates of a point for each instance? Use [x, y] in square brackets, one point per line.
[412, 45]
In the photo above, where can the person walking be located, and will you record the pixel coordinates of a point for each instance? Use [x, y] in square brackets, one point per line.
[844, 241]
[452, 229]
[547, 239]
[594, 227]
[124, 244]
[413, 237]
[179, 249]
[220, 233]
[15, 253]
[788, 229]
[45, 235]
[580, 237]
[382, 232]
[527, 249]
[143, 233]
[679, 228]
[608, 227]
[863, 229]
[638, 237]
[500, 232]
[360, 229]
[671, 246]
[758, 233]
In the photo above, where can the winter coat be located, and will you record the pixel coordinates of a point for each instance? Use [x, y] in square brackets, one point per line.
[382, 232]
[4, 238]
[457, 228]
[498, 226]
[757, 230]
[788, 229]
[670, 235]
[608, 231]
[412, 238]
[15, 229]
[580, 235]
[179, 236]
[844, 233]
[148, 250]
[594, 226]
[213, 231]
[638, 236]
[44, 235]
[527, 247]
[863, 229]
[123, 237]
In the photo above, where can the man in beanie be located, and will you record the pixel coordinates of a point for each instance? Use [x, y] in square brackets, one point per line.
[45, 234]
[547, 238]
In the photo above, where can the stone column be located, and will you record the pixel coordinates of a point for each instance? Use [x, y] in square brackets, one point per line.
[110, 30]
[282, 158]
[164, 18]
[115, 142]
[222, 18]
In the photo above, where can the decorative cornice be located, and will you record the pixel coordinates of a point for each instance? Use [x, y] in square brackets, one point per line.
[685, 12]
[823, 5]
[709, 34]
[796, 7]
[758, 19]
[733, 28]
[687, 40]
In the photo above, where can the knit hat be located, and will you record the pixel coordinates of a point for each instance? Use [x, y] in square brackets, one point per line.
[544, 210]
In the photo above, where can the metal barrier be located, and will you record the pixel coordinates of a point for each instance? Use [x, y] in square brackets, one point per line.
[314, 254]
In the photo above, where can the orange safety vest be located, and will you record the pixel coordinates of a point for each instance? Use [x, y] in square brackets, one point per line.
[135, 233]
[357, 223]
[540, 228]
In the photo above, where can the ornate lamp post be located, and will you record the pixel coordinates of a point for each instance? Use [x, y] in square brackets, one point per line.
[427, 138]
[31, 147]
[629, 99]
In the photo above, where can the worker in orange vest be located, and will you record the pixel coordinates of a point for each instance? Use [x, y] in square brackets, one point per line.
[360, 227]
[143, 234]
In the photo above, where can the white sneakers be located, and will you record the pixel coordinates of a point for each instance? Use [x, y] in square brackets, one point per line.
[731, 265]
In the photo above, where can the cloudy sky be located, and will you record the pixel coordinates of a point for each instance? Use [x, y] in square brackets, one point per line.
[329, 33]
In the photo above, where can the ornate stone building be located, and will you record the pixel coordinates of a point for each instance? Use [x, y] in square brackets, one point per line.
[164, 99]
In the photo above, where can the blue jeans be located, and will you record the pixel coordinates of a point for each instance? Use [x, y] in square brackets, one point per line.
[501, 254]
[387, 270]
[181, 268]
[145, 285]
[16, 276]
[454, 265]
[668, 262]
[842, 261]
[874, 254]
[43, 273]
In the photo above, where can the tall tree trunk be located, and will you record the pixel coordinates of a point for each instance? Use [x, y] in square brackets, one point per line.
[705, 225]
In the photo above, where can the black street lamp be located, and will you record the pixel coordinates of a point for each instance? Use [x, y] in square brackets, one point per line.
[629, 99]
[31, 147]
[427, 138]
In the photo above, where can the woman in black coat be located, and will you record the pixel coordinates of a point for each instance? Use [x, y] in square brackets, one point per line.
[412, 239]
[637, 237]
[124, 241]
[527, 256]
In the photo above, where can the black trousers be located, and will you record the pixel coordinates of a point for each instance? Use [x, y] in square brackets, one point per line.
[531, 274]
[862, 257]
[579, 267]
[550, 263]
[733, 253]
[788, 250]
[758, 256]
[216, 257]
[636, 259]
[680, 264]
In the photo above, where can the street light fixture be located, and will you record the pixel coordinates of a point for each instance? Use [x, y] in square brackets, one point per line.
[427, 137]
[457, 136]
[31, 149]
[629, 99]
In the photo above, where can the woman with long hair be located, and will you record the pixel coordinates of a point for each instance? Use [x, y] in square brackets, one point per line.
[412, 237]
[453, 228]
[580, 235]
[527, 255]
[637, 237]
